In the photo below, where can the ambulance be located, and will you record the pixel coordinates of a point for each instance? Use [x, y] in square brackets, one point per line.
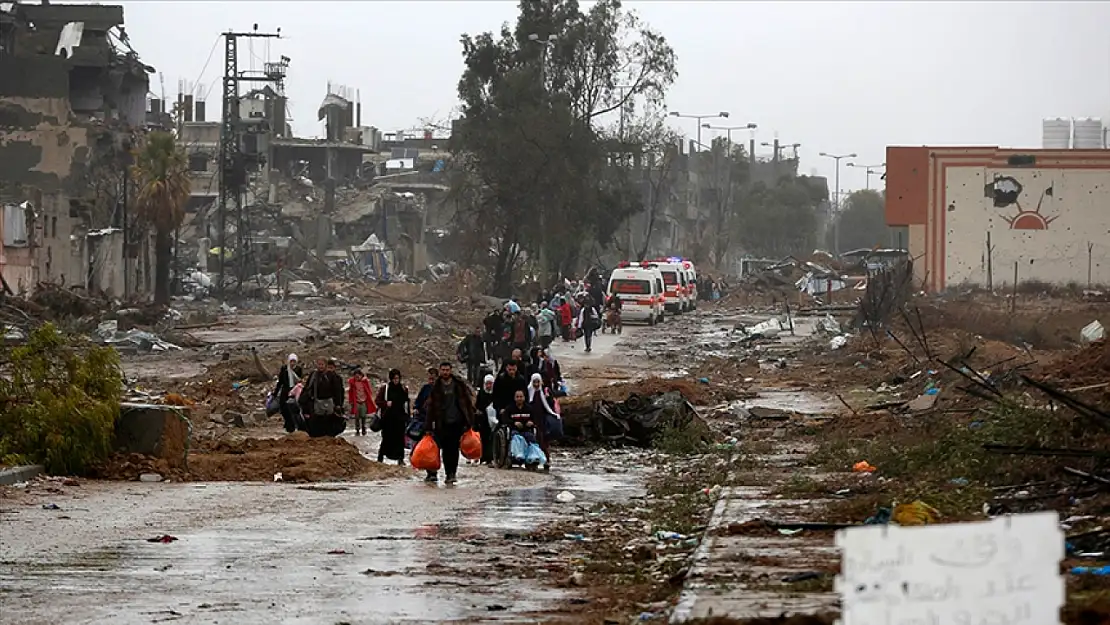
[639, 286]
[675, 284]
[691, 284]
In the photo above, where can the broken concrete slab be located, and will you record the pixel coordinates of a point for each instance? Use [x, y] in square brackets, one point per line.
[922, 403]
[24, 473]
[154, 430]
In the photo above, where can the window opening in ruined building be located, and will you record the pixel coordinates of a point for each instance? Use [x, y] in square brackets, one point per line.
[54, 227]
[198, 162]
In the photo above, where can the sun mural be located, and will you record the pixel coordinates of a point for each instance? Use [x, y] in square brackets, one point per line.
[1005, 192]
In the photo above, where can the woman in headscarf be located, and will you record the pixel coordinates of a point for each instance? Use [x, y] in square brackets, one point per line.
[542, 414]
[485, 401]
[393, 405]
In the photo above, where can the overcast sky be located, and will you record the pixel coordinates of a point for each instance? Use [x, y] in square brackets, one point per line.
[836, 77]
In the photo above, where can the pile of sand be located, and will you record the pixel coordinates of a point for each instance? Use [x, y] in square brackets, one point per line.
[1090, 365]
[297, 457]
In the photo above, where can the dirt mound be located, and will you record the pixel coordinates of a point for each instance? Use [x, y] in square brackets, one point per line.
[1090, 365]
[296, 457]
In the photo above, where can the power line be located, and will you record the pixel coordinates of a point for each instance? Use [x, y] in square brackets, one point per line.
[204, 69]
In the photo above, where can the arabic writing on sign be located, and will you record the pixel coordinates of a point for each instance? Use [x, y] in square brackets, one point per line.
[1001, 572]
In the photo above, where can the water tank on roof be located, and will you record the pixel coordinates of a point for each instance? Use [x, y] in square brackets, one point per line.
[1056, 134]
[1087, 133]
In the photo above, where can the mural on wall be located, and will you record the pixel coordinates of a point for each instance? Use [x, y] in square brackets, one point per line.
[1005, 191]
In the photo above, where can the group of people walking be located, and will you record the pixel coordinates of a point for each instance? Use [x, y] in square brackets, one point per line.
[446, 406]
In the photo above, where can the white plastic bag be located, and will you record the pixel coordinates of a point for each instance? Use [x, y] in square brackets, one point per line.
[1092, 332]
[491, 414]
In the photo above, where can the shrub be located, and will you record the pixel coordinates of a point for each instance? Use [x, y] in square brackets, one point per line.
[59, 400]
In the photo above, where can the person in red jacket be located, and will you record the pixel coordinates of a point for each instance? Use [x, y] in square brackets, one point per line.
[565, 318]
[361, 397]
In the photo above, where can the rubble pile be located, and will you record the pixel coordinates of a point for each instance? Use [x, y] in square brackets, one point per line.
[294, 458]
[638, 420]
[1088, 366]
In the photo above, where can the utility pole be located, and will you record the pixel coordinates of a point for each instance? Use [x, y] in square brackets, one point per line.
[623, 155]
[728, 131]
[233, 174]
[720, 115]
[836, 206]
[869, 170]
[545, 43]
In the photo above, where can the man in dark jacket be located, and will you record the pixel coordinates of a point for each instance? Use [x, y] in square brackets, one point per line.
[506, 385]
[322, 385]
[472, 353]
[494, 325]
[288, 377]
[520, 333]
[450, 415]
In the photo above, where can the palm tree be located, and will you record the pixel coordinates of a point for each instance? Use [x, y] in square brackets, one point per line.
[162, 172]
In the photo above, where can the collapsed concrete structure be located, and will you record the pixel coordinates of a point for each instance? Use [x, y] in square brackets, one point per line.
[72, 105]
[311, 202]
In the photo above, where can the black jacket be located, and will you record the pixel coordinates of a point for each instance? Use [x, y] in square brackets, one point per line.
[505, 388]
[549, 371]
[282, 390]
[322, 385]
[472, 350]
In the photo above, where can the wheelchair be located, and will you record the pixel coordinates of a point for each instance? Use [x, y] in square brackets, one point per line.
[502, 439]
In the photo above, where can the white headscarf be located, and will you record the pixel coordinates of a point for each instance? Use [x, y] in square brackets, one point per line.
[532, 390]
[487, 381]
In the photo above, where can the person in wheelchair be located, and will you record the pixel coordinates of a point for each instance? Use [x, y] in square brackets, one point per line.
[518, 436]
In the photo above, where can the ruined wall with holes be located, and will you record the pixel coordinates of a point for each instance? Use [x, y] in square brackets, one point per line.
[1053, 222]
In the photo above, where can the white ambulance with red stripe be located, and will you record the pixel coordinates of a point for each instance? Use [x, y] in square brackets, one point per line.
[675, 283]
[639, 286]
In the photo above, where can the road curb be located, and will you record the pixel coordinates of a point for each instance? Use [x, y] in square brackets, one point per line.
[699, 561]
[15, 475]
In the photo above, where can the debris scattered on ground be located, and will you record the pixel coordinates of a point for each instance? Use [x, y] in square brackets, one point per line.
[638, 420]
[164, 538]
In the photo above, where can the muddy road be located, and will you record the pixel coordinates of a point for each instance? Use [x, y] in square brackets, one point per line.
[381, 552]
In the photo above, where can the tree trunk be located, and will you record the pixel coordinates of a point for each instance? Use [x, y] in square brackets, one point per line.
[163, 255]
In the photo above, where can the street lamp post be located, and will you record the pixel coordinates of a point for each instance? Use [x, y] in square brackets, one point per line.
[728, 130]
[779, 147]
[722, 114]
[836, 208]
[546, 42]
[871, 170]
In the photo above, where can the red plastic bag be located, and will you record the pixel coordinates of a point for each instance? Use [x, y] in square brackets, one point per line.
[426, 455]
[471, 445]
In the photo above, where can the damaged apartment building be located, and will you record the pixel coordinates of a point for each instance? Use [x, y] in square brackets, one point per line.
[308, 200]
[73, 103]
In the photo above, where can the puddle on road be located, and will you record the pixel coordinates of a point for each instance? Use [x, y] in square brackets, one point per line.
[800, 402]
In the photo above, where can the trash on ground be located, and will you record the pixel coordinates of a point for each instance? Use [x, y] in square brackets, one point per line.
[638, 420]
[164, 538]
[565, 497]
[915, 513]
[863, 467]
[1092, 332]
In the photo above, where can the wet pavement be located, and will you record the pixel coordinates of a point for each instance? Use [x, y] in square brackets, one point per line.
[264, 553]
[327, 553]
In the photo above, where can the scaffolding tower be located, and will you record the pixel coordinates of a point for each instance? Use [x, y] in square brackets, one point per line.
[234, 161]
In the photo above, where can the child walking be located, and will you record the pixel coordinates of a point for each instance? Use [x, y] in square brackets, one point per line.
[361, 398]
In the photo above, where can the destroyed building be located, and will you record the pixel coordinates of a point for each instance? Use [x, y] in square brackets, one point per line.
[72, 106]
[316, 202]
